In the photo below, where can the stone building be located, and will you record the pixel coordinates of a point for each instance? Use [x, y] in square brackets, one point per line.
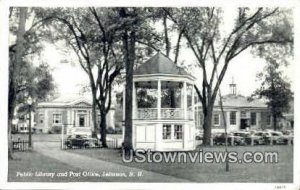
[240, 113]
[70, 112]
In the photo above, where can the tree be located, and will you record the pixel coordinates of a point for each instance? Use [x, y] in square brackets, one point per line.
[214, 50]
[135, 29]
[275, 89]
[14, 68]
[22, 76]
[91, 34]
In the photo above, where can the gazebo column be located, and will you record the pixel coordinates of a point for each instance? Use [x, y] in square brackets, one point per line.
[185, 101]
[159, 99]
[193, 104]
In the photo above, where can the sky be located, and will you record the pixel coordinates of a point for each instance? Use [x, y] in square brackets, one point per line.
[70, 78]
[243, 69]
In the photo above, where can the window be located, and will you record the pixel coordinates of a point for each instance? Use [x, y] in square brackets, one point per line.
[178, 132]
[172, 132]
[166, 131]
[233, 118]
[217, 119]
[41, 118]
[57, 119]
[253, 118]
[269, 119]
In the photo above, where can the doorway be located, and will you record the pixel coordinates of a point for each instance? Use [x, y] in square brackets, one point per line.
[244, 123]
[81, 120]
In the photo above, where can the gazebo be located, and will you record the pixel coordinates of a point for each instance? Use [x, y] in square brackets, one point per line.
[163, 106]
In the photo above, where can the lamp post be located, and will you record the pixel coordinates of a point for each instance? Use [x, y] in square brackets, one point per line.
[29, 102]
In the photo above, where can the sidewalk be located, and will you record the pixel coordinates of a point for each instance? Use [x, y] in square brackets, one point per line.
[110, 169]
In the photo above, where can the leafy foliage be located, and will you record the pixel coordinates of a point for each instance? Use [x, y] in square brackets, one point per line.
[214, 49]
[276, 90]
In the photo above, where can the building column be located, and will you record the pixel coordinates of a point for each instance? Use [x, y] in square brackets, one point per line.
[258, 120]
[74, 119]
[238, 120]
[46, 121]
[159, 99]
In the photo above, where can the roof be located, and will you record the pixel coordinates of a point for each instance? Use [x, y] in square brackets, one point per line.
[239, 101]
[71, 100]
[159, 64]
[242, 101]
[66, 102]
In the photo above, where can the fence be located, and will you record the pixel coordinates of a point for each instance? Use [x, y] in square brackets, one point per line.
[90, 143]
[21, 146]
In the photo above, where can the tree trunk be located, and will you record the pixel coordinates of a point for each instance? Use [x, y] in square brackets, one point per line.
[102, 127]
[275, 122]
[13, 71]
[94, 117]
[10, 146]
[167, 41]
[129, 60]
[178, 46]
[207, 125]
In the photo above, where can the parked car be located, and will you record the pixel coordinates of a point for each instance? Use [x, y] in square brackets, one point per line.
[276, 136]
[81, 131]
[262, 135]
[221, 139]
[198, 134]
[256, 137]
[288, 136]
[81, 142]
[246, 136]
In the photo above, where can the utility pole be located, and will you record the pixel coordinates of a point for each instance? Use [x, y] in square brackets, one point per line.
[225, 126]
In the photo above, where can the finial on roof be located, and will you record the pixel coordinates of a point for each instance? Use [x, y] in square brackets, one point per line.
[232, 87]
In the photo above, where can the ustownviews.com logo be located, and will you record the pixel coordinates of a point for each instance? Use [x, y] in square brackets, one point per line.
[200, 156]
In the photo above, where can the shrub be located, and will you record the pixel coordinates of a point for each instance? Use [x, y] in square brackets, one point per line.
[55, 130]
[110, 130]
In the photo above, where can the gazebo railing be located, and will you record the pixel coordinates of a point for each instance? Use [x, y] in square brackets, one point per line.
[147, 113]
[166, 113]
[172, 113]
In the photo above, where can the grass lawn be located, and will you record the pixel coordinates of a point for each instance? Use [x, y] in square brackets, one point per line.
[35, 162]
[281, 172]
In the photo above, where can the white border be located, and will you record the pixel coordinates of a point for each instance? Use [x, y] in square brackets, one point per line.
[4, 4]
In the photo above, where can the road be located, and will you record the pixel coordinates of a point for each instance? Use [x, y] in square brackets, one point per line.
[109, 171]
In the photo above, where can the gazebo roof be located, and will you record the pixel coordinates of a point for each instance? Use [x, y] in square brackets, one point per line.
[160, 64]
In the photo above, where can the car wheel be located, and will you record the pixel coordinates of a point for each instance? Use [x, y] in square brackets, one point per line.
[69, 145]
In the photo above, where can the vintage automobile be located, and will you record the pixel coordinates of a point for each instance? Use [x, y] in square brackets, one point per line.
[249, 137]
[232, 139]
[257, 138]
[81, 142]
[288, 137]
[275, 136]
[81, 131]
[262, 135]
